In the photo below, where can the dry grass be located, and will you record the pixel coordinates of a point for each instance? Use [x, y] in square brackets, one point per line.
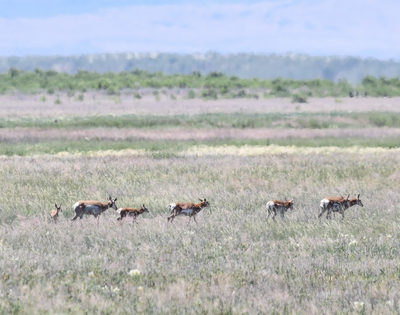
[96, 104]
[233, 261]
[184, 134]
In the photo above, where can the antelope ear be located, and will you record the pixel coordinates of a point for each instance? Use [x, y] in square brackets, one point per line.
[204, 199]
[348, 196]
[55, 205]
[115, 199]
[144, 206]
[200, 200]
[291, 201]
[358, 197]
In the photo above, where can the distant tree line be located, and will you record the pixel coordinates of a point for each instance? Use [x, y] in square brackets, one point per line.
[243, 65]
[213, 85]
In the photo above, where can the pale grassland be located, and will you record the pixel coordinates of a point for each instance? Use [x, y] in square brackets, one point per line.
[246, 150]
[185, 134]
[233, 261]
[97, 104]
[275, 149]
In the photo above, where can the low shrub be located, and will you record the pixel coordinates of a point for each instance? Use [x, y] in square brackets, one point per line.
[296, 98]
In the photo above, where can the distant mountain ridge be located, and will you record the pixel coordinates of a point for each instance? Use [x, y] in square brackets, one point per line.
[243, 65]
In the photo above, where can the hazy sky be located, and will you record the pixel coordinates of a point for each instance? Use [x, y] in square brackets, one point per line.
[366, 28]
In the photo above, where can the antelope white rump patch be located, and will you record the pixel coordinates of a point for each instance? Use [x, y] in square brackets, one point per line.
[270, 204]
[324, 203]
[171, 206]
[75, 205]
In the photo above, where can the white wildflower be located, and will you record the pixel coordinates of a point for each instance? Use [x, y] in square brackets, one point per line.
[91, 274]
[140, 289]
[353, 243]
[358, 305]
[134, 272]
[116, 290]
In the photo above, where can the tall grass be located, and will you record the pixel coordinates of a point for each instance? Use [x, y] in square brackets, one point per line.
[233, 261]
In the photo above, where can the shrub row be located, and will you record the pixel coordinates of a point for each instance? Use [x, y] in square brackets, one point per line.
[212, 84]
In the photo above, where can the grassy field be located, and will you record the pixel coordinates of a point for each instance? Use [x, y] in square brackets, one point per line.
[221, 120]
[234, 260]
[163, 148]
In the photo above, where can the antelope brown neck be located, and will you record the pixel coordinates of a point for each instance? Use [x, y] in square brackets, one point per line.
[353, 202]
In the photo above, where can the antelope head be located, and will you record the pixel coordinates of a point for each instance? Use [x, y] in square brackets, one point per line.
[359, 201]
[111, 202]
[58, 208]
[204, 203]
[289, 204]
[144, 209]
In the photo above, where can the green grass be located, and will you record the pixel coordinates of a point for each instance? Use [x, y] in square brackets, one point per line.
[234, 120]
[163, 147]
[149, 121]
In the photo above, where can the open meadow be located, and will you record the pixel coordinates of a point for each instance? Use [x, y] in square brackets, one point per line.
[234, 260]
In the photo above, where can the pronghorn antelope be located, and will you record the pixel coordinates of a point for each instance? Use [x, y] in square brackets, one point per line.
[338, 204]
[333, 204]
[92, 207]
[133, 212]
[186, 208]
[54, 213]
[274, 206]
